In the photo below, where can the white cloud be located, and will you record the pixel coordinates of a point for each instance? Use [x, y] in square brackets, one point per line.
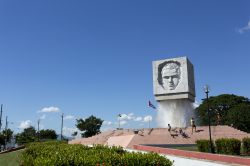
[138, 119]
[41, 127]
[107, 123]
[43, 116]
[245, 28]
[131, 116]
[126, 117]
[123, 122]
[25, 124]
[68, 117]
[67, 131]
[147, 118]
[196, 104]
[107, 128]
[49, 109]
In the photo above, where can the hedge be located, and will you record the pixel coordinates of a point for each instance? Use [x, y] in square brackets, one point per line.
[246, 146]
[56, 153]
[228, 146]
[204, 145]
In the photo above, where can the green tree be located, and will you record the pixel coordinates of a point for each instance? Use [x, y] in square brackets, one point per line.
[239, 117]
[90, 126]
[5, 136]
[8, 133]
[222, 109]
[74, 134]
[47, 134]
[28, 135]
[2, 139]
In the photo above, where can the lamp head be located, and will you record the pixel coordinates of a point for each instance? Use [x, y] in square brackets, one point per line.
[206, 89]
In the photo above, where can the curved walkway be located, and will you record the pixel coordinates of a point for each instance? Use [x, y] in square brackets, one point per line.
[196, 155]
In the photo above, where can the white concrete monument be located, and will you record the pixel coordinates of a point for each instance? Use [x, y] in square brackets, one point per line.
[174, 90]
[173, 79]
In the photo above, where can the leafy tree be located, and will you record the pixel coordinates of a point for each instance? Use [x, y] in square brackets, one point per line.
[74, 134]
[90, 126]
[222, 110]
[47, 134]
[28, 135]
[239, 117]
[8, 133]
[2, 139]
[5, 135]
[30, 131]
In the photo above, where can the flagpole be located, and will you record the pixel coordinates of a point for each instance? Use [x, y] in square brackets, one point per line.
[152, 106]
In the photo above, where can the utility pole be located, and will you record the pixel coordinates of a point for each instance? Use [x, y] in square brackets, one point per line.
[38, 132]
[6, 125]
[62, 128]
[1, 116]
[6, 134]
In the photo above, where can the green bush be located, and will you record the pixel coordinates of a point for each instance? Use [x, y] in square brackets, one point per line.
[246, 146]
[204, 145]
[57, 153]
[228, 146]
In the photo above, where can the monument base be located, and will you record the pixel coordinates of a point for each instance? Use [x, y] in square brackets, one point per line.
[177, 113]
[175, 96]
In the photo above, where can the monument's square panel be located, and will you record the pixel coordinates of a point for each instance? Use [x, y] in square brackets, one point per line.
[173, 79]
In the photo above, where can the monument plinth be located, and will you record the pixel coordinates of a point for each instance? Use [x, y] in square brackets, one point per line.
[173, 79]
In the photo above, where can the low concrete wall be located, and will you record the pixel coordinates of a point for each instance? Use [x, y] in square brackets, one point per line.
[169, 145]
[13, 149]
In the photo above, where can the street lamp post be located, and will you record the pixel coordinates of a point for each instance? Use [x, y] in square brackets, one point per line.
[206, 89]
[38, 132]
[119, 121]
[62, 128]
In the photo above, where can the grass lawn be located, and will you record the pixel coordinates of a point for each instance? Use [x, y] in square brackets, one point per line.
[189, 148]
[10, 159]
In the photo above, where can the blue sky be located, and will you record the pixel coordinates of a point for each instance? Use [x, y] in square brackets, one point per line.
[95, 57]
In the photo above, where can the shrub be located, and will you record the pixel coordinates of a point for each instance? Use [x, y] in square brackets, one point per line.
[204, 145]
[246, 146]
[228, 146]
[54, 153]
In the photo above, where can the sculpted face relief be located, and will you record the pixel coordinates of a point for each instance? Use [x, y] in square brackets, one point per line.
[170, 76]
[173, 79]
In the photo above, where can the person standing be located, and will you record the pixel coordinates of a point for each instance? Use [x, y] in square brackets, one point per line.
[193, 124]
[169, 128]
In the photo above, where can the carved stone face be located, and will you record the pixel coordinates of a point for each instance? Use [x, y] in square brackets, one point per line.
[170, 76]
